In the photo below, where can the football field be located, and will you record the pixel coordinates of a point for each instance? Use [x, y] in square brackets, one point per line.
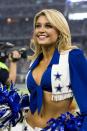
[22, 89]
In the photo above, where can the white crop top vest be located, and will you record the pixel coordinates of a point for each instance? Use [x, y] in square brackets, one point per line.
[60, 78]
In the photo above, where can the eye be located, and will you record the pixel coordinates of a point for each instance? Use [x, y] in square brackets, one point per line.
[37, 26]
[48, 25]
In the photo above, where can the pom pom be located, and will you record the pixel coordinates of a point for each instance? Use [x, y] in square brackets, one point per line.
[10, 111]
[66, 122]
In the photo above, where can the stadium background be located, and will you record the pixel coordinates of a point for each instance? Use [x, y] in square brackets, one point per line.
[16, 18]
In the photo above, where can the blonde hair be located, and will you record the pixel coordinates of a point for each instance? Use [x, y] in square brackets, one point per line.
[57, 19]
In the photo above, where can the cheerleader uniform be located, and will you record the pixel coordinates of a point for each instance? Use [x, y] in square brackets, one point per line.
[65, 77]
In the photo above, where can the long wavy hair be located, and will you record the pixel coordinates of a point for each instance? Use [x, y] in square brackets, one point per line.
[58, 21]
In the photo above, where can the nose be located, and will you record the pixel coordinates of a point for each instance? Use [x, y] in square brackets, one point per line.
[42, 28]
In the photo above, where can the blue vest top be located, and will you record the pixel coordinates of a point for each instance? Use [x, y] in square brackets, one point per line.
[78, 77]
[45, 84]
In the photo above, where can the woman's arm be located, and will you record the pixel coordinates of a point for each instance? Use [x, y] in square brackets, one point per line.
[78, 74]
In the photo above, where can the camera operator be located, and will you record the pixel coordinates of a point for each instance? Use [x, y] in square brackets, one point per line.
[8, 74]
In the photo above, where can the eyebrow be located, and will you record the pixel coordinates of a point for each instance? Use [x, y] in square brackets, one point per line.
[44, 23]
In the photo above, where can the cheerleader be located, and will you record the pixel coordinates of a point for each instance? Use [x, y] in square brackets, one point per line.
[57, 74]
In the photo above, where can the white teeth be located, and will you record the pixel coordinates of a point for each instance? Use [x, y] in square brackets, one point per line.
[42, 36]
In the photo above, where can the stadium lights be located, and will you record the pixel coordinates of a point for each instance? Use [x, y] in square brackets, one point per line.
[73, 1]
[26, 19]
[9, 20]
[77, 16]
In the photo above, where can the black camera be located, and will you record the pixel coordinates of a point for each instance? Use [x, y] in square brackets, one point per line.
[5, 49]
[23, 53]
[3, 56]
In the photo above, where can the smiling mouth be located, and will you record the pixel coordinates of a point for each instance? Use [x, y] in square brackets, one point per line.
[42, 37]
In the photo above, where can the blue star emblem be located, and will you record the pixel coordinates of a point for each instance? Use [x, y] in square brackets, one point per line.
[58, 88]
[25, 128]
[57, 76]
[69, 86]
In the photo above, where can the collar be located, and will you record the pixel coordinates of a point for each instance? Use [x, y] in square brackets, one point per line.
[54, 60]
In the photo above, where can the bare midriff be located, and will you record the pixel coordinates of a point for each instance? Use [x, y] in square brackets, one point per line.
[50, 109]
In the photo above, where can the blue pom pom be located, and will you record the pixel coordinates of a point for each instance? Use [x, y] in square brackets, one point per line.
[66, 122]
[10, 111]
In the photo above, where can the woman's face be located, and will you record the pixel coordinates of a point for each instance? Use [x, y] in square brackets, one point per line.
[44, 32]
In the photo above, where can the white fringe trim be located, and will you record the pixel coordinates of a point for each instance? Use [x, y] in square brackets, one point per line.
[59, 97]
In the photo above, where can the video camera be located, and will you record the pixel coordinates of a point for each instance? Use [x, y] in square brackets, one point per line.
[7, 48]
